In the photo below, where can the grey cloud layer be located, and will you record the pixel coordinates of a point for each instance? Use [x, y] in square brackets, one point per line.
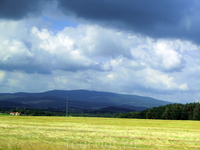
[166, 18]
[145, 13]
[18, 9]
[157, 19]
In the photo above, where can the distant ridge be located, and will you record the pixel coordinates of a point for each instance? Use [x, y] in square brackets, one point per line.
[12, 104]
[81, 100]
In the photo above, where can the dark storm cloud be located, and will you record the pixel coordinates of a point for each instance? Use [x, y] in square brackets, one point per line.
[18, 9]
[155, 18]
[136, 12]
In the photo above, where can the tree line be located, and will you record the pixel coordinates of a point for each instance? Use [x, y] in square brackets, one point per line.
[174, 111]
[31, 112]
[189, 111]
[50, 112]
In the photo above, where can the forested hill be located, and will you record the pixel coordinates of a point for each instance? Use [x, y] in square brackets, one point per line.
[79, 100]
[174, 111]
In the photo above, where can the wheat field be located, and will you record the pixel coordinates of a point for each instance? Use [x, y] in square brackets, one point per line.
[46, 133]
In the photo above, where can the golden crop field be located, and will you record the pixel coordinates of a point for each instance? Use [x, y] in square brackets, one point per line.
[35, 133]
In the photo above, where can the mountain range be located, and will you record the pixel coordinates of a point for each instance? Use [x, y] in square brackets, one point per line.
[79, 100]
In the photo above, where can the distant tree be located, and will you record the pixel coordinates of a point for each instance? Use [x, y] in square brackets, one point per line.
[149, 114]
[184, 113]
[2, 110]
[196, 112]
[13, 110]
[166, 114]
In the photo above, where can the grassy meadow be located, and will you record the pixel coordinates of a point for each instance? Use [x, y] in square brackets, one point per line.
[31, 133]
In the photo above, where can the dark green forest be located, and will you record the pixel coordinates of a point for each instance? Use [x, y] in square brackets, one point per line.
[52, 112]
[174, 111]
[31, 112]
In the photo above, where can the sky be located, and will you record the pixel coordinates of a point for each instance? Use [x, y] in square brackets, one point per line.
[138, 47]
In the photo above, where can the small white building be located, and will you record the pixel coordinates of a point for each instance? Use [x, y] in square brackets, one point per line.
[16, 113]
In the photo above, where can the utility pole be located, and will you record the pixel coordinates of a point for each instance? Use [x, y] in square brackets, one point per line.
[67, 108]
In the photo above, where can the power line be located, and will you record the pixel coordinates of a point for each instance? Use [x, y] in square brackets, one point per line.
[67, 115]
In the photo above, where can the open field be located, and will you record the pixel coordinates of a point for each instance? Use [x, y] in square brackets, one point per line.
[28, 132]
